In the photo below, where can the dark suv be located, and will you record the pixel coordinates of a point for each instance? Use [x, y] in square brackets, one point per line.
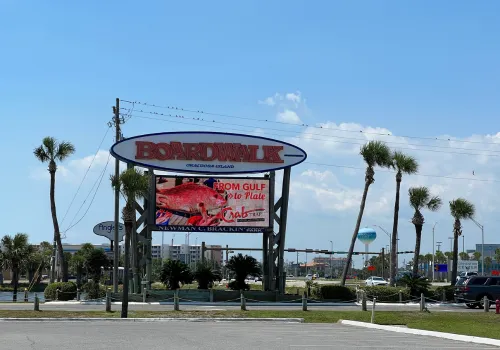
[471, 291]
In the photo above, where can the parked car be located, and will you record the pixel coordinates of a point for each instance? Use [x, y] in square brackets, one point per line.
[376, 281]
[472, 290]
[466, 274]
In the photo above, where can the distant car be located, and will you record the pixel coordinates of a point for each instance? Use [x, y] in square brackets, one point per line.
[257, 279]
[309, 277]
[466, 275]
[376, 281]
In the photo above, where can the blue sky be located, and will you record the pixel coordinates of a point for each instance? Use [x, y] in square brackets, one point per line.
[415, 69]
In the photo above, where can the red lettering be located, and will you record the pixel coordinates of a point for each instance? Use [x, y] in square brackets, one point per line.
[272, 154]
[145, 150]
[204, 148]
[177, 151]
[163, 151]
[192, 151]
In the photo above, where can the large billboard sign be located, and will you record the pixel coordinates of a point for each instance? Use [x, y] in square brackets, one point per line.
[212, 204]
[208, 152]
[107, 229]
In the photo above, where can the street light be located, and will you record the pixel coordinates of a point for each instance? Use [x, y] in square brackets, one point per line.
[482, 244]
[331, 260]
[390, 245]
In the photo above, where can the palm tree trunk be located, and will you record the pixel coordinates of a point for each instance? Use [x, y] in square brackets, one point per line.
[15, 281]
[418, 235]
[128, 218]
[394, 237]
[57, 235]
[455, 252]
[368, 182]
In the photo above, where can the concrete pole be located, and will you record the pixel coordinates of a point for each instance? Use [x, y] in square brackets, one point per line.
[116, 251]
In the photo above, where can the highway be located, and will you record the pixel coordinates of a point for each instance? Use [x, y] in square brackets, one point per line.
[180, 335]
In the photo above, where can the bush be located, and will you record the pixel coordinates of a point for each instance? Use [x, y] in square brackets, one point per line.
[234, 285]
[388, 294]
[334, 292]
[67, 291]
[94, 290]
[438, 293]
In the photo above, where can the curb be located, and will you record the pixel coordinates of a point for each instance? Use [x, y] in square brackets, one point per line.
[156, 319]
[449, 336]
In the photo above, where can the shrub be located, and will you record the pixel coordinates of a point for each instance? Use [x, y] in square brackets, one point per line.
[67, 291]
[234, 285]
[334, 292]
[94, 290]
[438, 293]
[388, 294]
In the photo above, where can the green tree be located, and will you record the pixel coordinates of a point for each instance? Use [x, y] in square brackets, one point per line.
[374, 153]
[460, 209]
[403, 164]
[175, 272]
[497, 255]
[133, 184]
[488, 262]
[463, 256]
[420, 198]
[449, 255]
[16, 252]
[415, 283]
[440, 258]
[476, 255]
[95, 260]
[242, 266]
[51, 151]
[205, 274]
[76, 265]
[156, 266]
[39, 261]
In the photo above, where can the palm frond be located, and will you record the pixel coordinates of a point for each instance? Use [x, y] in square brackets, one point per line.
[64, 150]
[132, 183]
[404, 163]
[461, 208]
[418, 197]
[376, 153]
[434, 203]
[50, 144]
[41, 155]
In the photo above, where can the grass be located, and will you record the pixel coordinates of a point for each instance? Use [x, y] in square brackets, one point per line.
[470, 323]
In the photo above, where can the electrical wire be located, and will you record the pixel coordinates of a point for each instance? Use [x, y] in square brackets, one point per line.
[303, 124]
[334, 165]
[85, 175]
[303, 138]
[98, 182]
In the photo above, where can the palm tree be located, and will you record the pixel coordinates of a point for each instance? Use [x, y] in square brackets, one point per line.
[415, 283]
[477, 256]
[463, 256]
[460, 209]
[440, 257]
[52, 151]
[133, 184]
[420, 198]
[374, 153]
[16, 252]
[242, 266]
[174, 272]
[206, 275]
[488, 262]
[403, 164]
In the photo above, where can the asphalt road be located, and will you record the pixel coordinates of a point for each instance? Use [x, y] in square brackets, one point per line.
[218, 336]
[223, 306]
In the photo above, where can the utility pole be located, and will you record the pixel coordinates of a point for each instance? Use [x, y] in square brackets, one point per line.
[331, 260]
[383, 260]
[116, 248]
[433, 252]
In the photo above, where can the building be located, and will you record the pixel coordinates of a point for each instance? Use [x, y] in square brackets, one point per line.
[324, 266]
[489, 249]
[190, 254]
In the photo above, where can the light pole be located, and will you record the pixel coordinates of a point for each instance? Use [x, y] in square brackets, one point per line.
[451, 244]
[331, 260]
[463, 243]
[482, 244]
[433, 251]
[390, 242]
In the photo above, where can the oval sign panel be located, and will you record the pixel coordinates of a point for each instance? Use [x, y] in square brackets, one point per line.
[107, 229]
[208, 152]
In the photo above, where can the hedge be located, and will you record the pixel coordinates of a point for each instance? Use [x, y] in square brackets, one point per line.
[94, 290]
[67, 291]
[334, 292]
[438, 293]
[389, 294]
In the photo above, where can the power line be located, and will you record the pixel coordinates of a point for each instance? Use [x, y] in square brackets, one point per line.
[334, 165]
[303, 124]
[298, 137]
[85, 175]
[98, 182]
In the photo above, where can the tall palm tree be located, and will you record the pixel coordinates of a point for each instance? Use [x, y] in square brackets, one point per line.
[403, 164]
[461, 209]
[374, 153]
[477, 256]
[420, 198]
[51, 151]
[133, 184]
[16, 252]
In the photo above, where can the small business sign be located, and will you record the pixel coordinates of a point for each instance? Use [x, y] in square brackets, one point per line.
[208, 152]
[107, 229]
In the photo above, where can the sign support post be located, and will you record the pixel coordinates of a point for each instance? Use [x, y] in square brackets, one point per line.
[116, 251]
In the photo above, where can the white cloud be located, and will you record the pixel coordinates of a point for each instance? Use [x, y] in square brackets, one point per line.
[272, 100]
[296, 98]
[288, 116]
